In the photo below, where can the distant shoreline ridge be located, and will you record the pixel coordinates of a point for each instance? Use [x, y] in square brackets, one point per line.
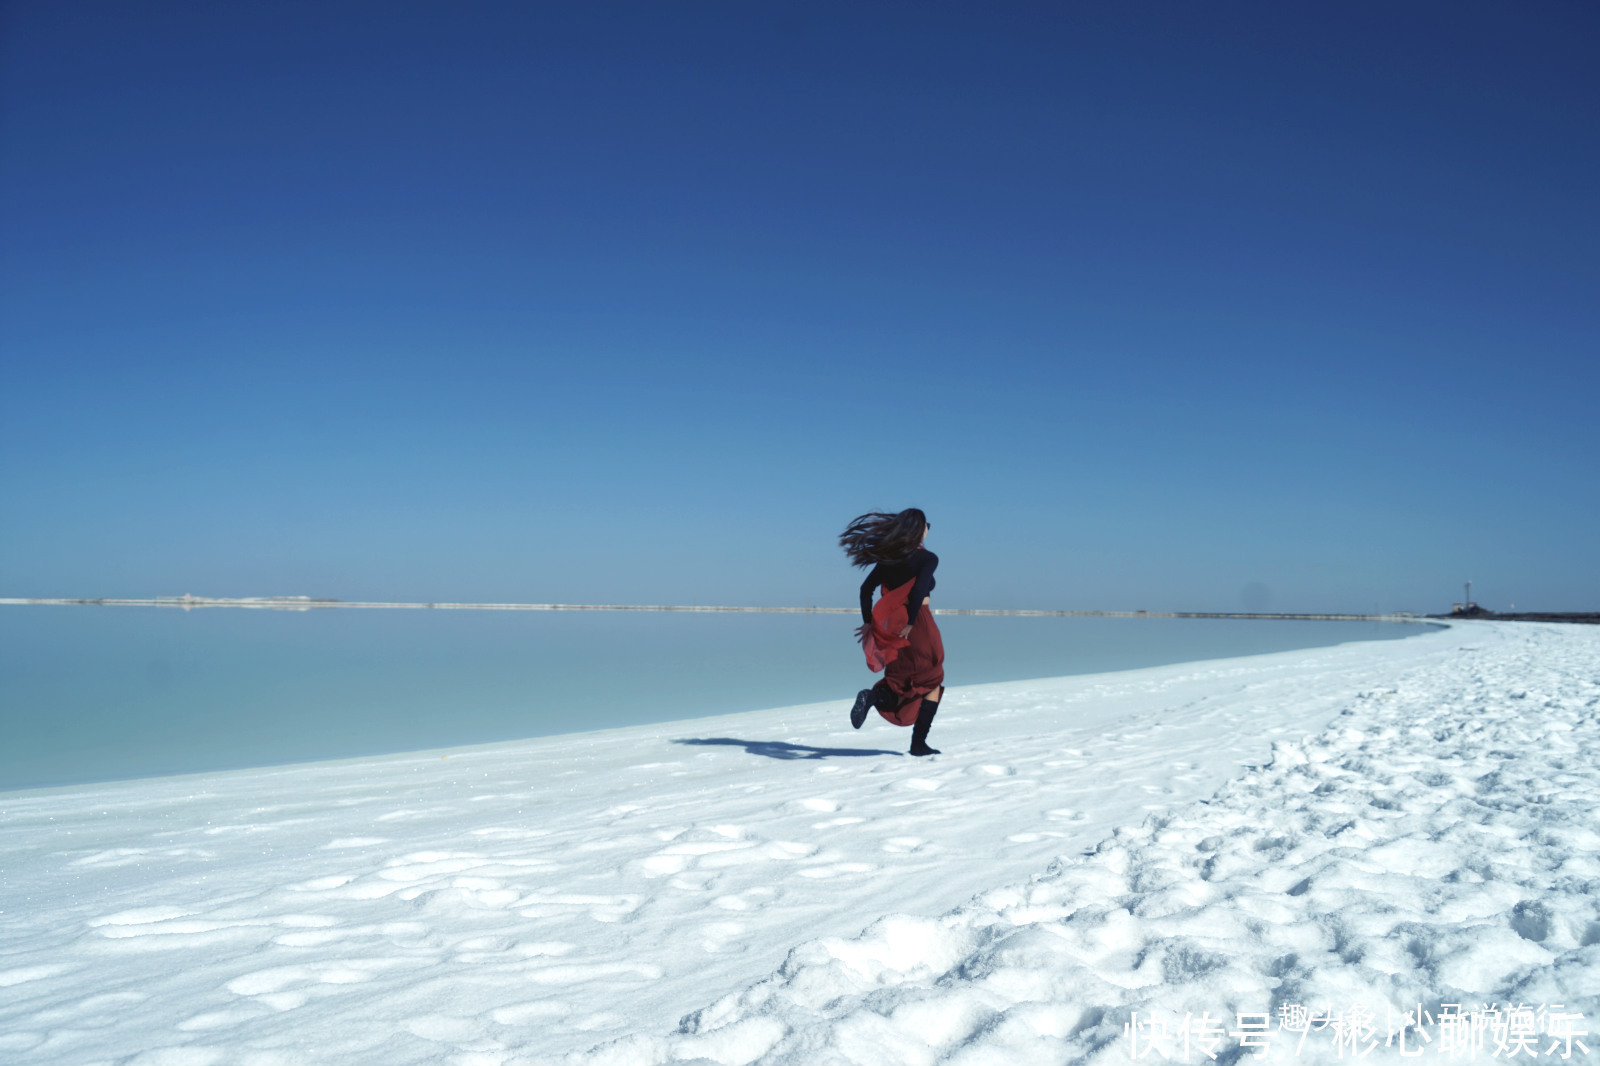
[308, 603]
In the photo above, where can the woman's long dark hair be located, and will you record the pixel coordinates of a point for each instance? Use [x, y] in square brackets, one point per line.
[876, 537]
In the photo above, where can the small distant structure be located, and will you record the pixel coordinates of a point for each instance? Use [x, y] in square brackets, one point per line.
[1469, 608]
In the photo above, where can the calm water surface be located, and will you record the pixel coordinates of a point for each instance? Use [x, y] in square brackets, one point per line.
[99, 693]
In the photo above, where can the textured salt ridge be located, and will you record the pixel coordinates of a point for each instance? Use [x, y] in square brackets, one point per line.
[1435, 845]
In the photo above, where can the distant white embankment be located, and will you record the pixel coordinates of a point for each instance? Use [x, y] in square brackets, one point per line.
[307, 603]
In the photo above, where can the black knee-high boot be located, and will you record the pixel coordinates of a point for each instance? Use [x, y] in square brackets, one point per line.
[919, 732]
[858, 713]
[879, 696]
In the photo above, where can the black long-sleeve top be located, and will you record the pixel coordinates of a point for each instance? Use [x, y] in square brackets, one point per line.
[920, 564]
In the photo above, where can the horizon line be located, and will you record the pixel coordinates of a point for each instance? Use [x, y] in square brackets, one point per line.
[308, 603]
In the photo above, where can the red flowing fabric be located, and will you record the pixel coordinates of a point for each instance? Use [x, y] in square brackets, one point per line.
[912, 667]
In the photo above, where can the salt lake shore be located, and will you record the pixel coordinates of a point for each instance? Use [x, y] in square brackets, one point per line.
[1372, 850]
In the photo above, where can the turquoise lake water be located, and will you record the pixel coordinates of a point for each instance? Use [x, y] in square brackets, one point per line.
[102, 693]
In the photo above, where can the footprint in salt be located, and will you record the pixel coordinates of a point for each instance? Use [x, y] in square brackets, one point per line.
[271, 987]
[167, 928]
[318, 937]
[551, 904]
[837, 869]
[23, 974]
[321, 884]
[478, 894]
[444, 1029]
[610, 972]
[429, 879]
[182, 1055]
[109, 1003]
[20, 1040]
[706, 847]
[509, 833]
[140, 916]
[718, 937]
[542, 1010]
[423, 865]
[903, 845]
[407, 815]
[113, 857]
[484, 945]
[220, 1019]
[751, 898]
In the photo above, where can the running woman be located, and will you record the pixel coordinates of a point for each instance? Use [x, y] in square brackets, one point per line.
[899, 634]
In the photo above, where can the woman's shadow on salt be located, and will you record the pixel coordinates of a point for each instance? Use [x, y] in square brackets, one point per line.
[782, 749]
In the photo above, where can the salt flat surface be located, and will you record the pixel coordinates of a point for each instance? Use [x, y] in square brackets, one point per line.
[699, 890]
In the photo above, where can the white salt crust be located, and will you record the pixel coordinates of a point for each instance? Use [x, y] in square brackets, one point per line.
[1398, 823]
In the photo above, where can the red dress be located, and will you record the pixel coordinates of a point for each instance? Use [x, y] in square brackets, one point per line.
[912, 667]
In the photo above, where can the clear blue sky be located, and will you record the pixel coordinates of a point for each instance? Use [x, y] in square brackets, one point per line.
[1145, 304]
